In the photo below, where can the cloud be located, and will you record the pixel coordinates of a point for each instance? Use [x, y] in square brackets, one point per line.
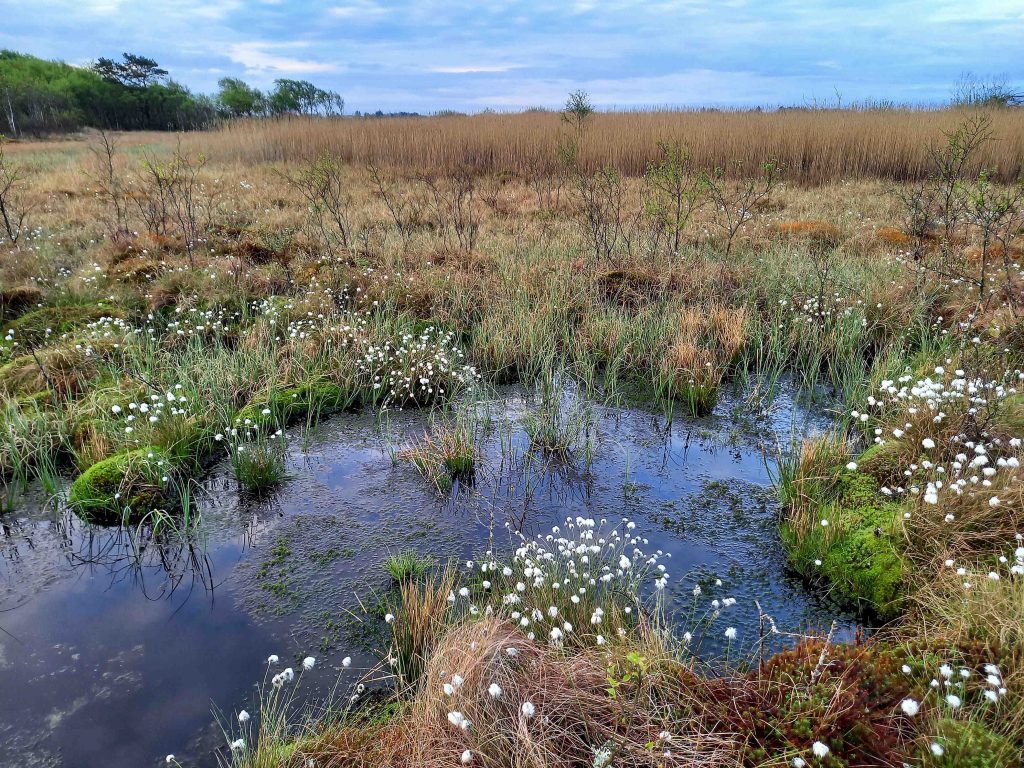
[256, 57]
[475, 68]
[359, 10]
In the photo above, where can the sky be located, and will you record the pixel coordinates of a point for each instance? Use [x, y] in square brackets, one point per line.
[470, 56]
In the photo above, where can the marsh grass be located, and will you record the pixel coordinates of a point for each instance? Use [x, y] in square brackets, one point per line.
[445, 456]
[273, 322]
[31, 442]
[407, 566]
[562, 424]
[422, 615]
[260, 464]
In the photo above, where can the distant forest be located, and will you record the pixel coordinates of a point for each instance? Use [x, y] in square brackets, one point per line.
[39, 97]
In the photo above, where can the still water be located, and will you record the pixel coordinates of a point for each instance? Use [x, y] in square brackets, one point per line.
[118, 647]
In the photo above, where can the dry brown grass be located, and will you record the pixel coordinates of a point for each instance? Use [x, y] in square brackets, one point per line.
[990, 615]
[706, 342]
[980, 528]
[574, 712]
[816, 147]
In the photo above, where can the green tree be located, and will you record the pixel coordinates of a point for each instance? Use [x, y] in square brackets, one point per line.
[240, 99]
[301, 97]
[133, 71]
[577, 112]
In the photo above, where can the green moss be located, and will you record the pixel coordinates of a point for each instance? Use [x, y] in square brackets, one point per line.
[30, 329]
[970, 744]
[859, 551]
[124, 487]
[293, 403]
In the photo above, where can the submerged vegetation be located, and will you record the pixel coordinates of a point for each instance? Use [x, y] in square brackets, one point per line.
[168, 307]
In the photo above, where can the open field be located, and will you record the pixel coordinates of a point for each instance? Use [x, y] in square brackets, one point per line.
[167, 303]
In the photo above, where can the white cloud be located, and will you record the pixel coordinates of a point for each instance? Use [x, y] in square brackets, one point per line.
[257, 57]
[359, 10]
[475, 68]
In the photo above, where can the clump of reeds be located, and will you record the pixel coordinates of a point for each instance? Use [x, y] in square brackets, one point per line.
[260, 464]
[445, 457]
[408, 566]
[706, 344]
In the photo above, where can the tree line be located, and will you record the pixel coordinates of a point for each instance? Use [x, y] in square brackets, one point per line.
[134, 93]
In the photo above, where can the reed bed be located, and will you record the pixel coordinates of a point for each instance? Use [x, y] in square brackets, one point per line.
[816, 147]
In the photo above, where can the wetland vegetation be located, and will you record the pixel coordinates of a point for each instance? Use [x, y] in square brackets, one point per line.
[590, 451]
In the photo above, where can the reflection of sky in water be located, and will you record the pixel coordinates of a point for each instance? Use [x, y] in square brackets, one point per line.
[111, 662]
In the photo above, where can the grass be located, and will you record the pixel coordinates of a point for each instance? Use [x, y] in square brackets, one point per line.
[260, 464]
[408, 566]
[445, 457]
[485, 682]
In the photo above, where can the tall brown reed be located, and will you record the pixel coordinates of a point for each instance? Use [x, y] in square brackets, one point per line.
[816, 147]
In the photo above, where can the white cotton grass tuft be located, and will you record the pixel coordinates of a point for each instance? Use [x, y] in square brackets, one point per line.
[528, 710]
[910, 707]
[819, 749]
[308, 663]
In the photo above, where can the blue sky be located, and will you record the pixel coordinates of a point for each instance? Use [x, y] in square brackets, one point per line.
[465, 55]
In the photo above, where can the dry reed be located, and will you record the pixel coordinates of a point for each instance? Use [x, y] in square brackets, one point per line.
[816, 147]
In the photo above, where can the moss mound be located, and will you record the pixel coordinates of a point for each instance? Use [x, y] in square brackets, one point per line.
[122, 488]
[30, 330]
[287, 405]
[970, 744]
[859, 552]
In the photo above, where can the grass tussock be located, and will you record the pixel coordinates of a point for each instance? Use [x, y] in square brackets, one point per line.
[445, 457]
